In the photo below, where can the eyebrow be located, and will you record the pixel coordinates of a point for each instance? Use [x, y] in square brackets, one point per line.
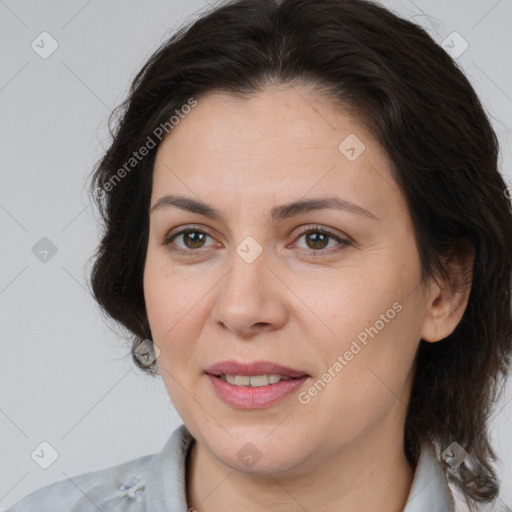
[277, 213]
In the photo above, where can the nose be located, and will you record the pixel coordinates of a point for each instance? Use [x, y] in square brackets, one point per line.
[251, 298]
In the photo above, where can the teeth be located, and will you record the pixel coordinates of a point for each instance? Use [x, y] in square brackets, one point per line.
[242, 380]
[259, 380]
[254, 381]
[230, 379]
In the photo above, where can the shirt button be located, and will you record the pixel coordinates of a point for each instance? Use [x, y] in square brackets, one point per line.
[132, 488]
[129, 483]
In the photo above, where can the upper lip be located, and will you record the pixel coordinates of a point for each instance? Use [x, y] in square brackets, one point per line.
[254, 368]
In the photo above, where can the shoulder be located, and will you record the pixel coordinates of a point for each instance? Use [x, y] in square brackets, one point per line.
[114, 488]
[147, 484]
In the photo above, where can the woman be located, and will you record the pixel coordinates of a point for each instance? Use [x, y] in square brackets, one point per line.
[308, 236]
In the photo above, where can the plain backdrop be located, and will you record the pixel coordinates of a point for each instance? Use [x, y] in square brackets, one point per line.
[65, 378]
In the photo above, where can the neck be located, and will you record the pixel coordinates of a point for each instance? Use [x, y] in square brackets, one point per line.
[371, 473]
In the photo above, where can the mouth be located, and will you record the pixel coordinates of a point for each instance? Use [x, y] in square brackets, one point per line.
[260, 370]
[254, 385]
[254, 381]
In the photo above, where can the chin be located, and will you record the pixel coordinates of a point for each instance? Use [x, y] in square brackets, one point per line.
[259, 449]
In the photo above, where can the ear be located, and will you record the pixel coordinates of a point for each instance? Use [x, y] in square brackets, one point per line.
[448, 296]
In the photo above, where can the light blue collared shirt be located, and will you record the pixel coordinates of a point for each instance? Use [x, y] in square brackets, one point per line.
[156, 483]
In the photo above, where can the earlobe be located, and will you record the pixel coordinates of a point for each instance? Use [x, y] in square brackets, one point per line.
[448, 297]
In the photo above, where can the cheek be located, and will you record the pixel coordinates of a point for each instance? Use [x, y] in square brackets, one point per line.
[353, 301]
[369, 361]
[374, 325]
[363, 382]
[169, 298]
[168, 306]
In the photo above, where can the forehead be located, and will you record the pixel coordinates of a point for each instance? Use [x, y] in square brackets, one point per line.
[283, 143]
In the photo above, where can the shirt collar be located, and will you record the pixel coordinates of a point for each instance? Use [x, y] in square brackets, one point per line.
[165, 484]
[429, 489]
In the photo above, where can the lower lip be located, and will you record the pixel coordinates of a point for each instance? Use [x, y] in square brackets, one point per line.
[247, 397]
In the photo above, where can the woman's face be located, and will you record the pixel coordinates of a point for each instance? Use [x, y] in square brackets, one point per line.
[331, 294]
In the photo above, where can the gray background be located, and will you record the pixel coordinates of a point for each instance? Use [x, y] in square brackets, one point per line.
[64, 375]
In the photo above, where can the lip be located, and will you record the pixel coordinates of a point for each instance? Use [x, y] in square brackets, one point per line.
[246, 397]
[254, 368]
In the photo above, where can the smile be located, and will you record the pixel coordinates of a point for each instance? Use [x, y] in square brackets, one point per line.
[254, 385]
[254, 381]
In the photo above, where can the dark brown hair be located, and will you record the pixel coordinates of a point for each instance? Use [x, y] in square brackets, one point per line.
[420, 107]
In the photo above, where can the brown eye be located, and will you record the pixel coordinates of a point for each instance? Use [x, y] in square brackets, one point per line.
[190, 240]
[318, 240]
[193, 239]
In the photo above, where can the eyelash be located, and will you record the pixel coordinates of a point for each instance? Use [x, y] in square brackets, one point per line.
[310, 229]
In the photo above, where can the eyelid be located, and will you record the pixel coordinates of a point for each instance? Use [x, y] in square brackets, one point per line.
[342, 240]
[318, 227]
[182, 230]
[185, 227]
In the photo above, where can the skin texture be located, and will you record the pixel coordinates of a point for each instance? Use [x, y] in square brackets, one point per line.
[294, 304]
